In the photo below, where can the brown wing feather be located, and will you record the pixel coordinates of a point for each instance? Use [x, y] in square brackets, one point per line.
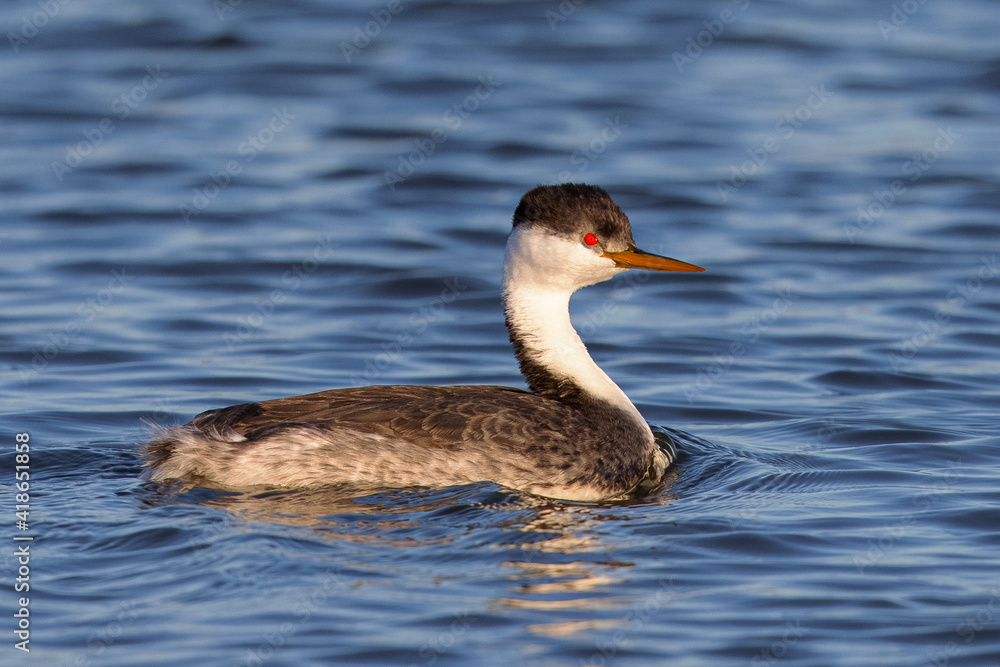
[434, 416]
[542, 438]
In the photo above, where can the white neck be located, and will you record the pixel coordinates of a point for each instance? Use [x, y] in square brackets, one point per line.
[541, 272]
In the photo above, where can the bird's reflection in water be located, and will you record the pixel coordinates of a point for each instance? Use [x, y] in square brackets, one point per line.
[549, 549]
[559, 588]
[389, 517]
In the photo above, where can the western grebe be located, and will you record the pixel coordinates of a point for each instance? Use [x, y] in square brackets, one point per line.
[574, 436]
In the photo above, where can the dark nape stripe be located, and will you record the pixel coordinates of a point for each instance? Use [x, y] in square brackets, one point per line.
[621, 440]
[540, 379]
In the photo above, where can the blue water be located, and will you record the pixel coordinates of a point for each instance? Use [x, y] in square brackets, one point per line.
[205, 203]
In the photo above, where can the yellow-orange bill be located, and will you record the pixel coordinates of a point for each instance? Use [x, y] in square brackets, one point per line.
[633, 258]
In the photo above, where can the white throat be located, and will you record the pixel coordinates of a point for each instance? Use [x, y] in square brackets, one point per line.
[541, 272]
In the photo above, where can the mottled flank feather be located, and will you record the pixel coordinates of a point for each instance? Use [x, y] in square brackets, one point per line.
[406, 435]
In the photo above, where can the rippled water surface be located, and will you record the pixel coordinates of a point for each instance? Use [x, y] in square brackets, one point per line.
[205, 203]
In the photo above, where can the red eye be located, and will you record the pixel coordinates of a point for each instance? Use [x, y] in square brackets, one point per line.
[590, 239]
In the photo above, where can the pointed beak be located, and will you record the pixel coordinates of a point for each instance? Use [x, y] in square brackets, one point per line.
[633, 258]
